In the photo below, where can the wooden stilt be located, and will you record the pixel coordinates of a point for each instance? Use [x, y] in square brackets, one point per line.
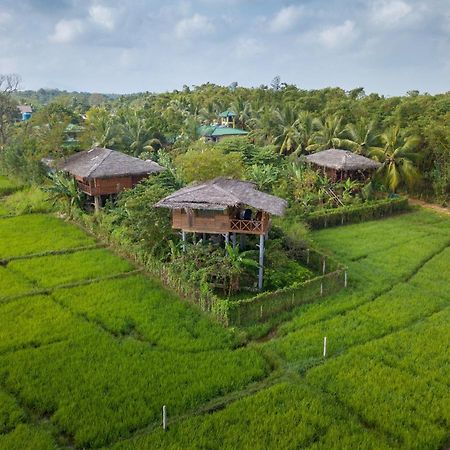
[183, 238]
[97, 203]
[233, 239]
[261, 262]
[227, 238]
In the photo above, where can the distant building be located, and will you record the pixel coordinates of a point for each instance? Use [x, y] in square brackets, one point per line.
[228, 118]
[26, 112]
[216, 133]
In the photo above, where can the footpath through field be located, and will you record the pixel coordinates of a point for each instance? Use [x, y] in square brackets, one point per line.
[432, 206]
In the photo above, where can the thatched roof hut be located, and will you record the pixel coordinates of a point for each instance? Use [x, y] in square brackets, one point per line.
[106, 163]
[222, 193]
[224, 206]
[340, 164]
[102, 171]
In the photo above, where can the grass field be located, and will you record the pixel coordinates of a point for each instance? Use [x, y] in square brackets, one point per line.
[91, 365]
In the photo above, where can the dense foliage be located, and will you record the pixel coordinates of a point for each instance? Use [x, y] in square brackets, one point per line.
[410, 135]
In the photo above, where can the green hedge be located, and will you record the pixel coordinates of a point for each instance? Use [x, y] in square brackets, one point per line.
[357, 213]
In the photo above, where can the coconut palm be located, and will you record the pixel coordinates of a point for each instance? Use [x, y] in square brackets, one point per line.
[362, 137]
[397, 156]
[330, 134]
[243, 111]
[307, 126]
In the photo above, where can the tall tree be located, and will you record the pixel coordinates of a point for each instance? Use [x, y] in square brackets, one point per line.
[330, 134]
[8, 106]
[398, 155]
[362, 137]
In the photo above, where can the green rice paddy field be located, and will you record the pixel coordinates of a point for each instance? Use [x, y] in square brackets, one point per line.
[90, 350]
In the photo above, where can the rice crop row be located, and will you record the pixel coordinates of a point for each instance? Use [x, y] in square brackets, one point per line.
[399, 384]
[286, 416]
[98, 389]
[53, 270]
[141, 307]
[35, 233]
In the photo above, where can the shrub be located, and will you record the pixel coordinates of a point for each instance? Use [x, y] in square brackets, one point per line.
[26, 201]
[210, 163]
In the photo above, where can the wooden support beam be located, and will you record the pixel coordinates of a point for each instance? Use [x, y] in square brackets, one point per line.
[183, 238]
[261, 262]
[97, 203]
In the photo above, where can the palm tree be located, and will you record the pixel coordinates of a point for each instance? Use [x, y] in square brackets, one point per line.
[397, 157]
[64, 189]
[363, 137]
[138, 133]
[243, 111]
[330, 134]
[307, 126]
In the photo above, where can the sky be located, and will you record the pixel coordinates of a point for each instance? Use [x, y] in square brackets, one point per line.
[125, 46]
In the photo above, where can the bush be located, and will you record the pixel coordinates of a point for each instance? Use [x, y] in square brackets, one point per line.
[8, 186]
[26, 201]
[209, 163]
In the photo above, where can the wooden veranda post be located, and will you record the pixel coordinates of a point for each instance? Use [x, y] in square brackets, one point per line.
[261, 262]
[97, 203]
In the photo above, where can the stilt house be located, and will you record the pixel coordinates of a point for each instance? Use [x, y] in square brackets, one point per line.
[102, 171]
[226, 207]
[342, 164]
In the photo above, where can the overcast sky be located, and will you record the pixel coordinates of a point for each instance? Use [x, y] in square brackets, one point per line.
[121, 46]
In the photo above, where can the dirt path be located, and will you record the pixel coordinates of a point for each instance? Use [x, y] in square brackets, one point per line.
[434, 207]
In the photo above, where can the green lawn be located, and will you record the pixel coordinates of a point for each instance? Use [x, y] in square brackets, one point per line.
[91, 366]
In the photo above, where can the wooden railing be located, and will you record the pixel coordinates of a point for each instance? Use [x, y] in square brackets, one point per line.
[253, 226]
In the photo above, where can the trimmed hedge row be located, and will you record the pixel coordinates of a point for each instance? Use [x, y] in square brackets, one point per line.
[357, 213]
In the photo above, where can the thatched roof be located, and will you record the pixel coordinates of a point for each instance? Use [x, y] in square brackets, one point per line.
[24, 109]
[221, 193]
[342, 160]
[106, 163]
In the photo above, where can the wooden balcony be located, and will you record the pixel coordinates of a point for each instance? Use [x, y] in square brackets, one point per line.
[246, 226]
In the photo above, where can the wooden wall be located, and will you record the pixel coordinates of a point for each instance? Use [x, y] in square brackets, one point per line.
[106, 186]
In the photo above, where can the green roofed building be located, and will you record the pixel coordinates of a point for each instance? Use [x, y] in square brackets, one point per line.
[216, 133]
[227, 118]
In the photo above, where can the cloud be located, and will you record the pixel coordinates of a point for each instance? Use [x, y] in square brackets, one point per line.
[103, 16]
[67, 31]
[248, 47]
[389, 13]
[286, 18]
[197, 25]
[5, 17]
[339, 35]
